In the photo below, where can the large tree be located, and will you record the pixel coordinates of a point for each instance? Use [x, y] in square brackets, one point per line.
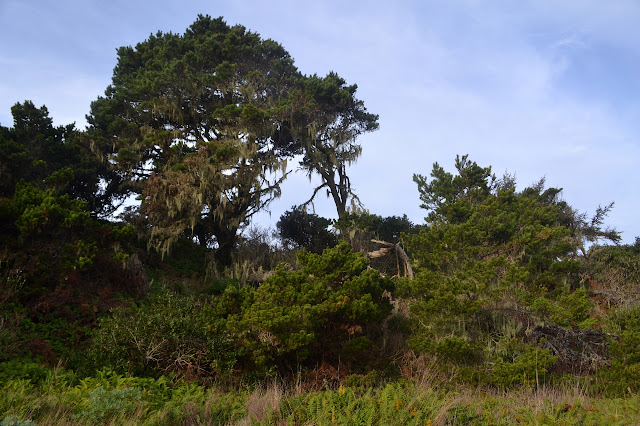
[201, 125]
[199, 122]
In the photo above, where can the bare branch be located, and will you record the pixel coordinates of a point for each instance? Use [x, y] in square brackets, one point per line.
[315, 192]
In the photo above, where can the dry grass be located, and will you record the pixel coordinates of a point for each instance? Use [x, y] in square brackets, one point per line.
[422, 370]
[263, 401]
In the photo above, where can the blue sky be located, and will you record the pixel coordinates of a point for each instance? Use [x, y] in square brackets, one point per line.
[535, 88]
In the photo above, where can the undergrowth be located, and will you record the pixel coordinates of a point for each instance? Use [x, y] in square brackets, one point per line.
[61, 397]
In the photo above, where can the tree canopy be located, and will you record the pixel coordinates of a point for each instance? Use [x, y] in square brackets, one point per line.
[202, 125]
[36, 152]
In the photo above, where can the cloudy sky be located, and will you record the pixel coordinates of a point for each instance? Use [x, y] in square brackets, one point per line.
[535, 88]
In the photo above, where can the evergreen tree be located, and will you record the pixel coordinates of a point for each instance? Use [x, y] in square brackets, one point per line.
[202, 125]
[306, 230]
[199, 124]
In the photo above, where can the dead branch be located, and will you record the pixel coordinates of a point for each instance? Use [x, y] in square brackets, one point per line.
[400, 253]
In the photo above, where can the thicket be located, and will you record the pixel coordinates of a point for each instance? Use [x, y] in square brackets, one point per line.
[362, 319]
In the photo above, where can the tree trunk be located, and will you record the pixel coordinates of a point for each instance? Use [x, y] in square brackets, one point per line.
[226, 239]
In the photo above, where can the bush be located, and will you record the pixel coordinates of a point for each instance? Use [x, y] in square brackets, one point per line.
[332, 301]
[516, 363]
[105, 405]
[177, 334]
[623, 375]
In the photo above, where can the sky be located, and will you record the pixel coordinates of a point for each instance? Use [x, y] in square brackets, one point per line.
[536, 88]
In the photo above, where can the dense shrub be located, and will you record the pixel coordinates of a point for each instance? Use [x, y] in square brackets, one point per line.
[623, 375]
[318, 312]
[489, 252]
[171, 334]
[515, 363]
[106, 405]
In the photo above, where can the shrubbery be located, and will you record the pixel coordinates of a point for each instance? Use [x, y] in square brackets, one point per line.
[322, 311]
[171, 334]
[505, 296]
[126, 322]
[623, 375]
[330, 308]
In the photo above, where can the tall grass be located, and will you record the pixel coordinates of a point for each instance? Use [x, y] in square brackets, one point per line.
[61, 398]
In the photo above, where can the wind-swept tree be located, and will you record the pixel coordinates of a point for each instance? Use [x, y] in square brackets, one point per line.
[489, 255]
[333, 119]
[448, 197]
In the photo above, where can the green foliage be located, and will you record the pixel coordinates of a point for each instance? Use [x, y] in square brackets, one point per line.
[188, 259]
[623, 375]
[330, 120]
[58, 335]
[355, 347]
[56, 258]
[488, 248]
[306, 230]
[203, 122]
[33, 212]
[388, 229]
[218, 287]
[332, 300]
[392, 404]
[360, 228]
[171, 334]
[360, 382]
[207, 110]
[616, 268]
[58, 158]
[457, 350]
[565, 309]
[575, 308]
[15, 421]
[109, 405]
[515, 363]
[201, 125]
[23, 370]
[36, 219]
[11, 317]
[377, 235]
[110, 398]
[55, 255]
[449, 198]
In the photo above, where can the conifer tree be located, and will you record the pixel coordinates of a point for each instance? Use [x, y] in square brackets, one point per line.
[199, 124]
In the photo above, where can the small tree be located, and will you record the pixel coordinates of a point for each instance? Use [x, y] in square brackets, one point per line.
[332, 120]
[490, 256]
[306, 230]
[59, 158]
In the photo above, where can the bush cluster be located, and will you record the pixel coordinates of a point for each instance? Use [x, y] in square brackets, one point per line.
[329, 309]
